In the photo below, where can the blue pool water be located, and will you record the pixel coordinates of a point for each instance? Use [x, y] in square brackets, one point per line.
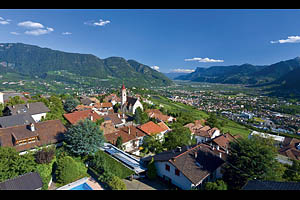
[83, 186]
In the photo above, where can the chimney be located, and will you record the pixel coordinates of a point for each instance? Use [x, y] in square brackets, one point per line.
[118, 115]
[196, 154]
[217, 147]
[27, 105]
[1, 98]
[32, 128]
[220, 154]
[91, 117]
[128, 130]
[123, 115]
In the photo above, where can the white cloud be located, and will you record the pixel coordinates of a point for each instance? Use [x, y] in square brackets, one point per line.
[66, 33]
[290, 39]
[100, 23]
[31, 25]
[183, 70]
[205, 60]
[4, 21]
[37, 32]
[14, 33]
[155, 68]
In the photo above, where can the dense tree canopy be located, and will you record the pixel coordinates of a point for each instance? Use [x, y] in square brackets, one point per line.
[179, 136]
[84, 138]
[70, 104]
[12, 164]
[218, 185]
[251, 159]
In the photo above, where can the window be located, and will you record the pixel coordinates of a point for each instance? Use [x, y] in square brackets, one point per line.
[177, 172]
[167, 167]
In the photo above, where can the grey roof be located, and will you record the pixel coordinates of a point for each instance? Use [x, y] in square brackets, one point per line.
[195, 168]
[7, 95]
[14, 120]
[86, 101]
[271, 185]
[34, 108]
[28, 181]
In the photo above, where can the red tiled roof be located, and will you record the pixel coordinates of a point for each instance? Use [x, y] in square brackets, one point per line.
[74, 117]
[103, 105]
[124, 133]
[163, 125]
[151, 128]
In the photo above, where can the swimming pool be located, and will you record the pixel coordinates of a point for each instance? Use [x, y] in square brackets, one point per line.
[83, 186]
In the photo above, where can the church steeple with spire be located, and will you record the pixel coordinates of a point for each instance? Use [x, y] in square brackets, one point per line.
[124, 96]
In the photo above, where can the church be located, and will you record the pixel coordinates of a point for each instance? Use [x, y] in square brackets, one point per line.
[129, 104]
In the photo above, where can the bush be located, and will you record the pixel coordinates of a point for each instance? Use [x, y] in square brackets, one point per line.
[115, 183]
[103, 163]
[45, 171]
[68, 170]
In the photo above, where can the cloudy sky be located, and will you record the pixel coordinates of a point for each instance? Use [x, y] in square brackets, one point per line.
[166, 40]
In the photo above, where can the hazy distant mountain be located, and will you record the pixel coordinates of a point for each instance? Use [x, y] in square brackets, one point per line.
[246, 73]
[36, 61]
[174, 75]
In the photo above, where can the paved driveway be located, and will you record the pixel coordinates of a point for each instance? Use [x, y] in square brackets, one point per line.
[144, 184]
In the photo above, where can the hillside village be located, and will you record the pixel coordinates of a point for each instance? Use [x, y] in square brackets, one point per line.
[116, 139]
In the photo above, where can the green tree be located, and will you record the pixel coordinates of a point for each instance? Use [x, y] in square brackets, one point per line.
[119, 142]
[15, 101]
[84, 138]
[250, 159]
[68, 170]
[140, 117]
[70, 104]
[12, 164]
[152, 144]
[292, 173]
[179, 136]
[218, 185]
[115, 183]
[1, 109]
[151, 173]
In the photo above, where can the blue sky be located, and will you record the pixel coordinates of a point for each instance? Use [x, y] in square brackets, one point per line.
[167, 39]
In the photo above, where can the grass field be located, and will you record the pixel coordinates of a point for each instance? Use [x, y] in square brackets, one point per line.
[230, 126]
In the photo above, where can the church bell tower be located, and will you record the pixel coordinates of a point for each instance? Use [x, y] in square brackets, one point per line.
[123, 93]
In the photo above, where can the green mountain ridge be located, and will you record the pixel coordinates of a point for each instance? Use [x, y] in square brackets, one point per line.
[33, 61]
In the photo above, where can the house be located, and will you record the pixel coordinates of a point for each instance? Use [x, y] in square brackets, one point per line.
[5, 96]
[28, 181]
[206, 133]
[132, 138]
[103, 107]
[107, 126]
[290, 148]
[112, 98]
[158, 115]
[278, 139]
[270, 185]
[129, 104]
[194, 126]
[86, 101]
[26, 137]
[14, 120]
[152, 129]
[76, 116]
[188, 167]
[117, 119]
[37, 110]
[222, 141]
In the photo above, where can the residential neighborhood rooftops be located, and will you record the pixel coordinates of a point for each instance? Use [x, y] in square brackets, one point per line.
[28, 181]
[127, 133]
[151, 128]
[48, 132]
[14, 120]
[76, 116]
[30, 108]
[195, 162]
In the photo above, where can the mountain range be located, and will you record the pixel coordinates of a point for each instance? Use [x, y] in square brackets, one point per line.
[44, 63]
[285, 73]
